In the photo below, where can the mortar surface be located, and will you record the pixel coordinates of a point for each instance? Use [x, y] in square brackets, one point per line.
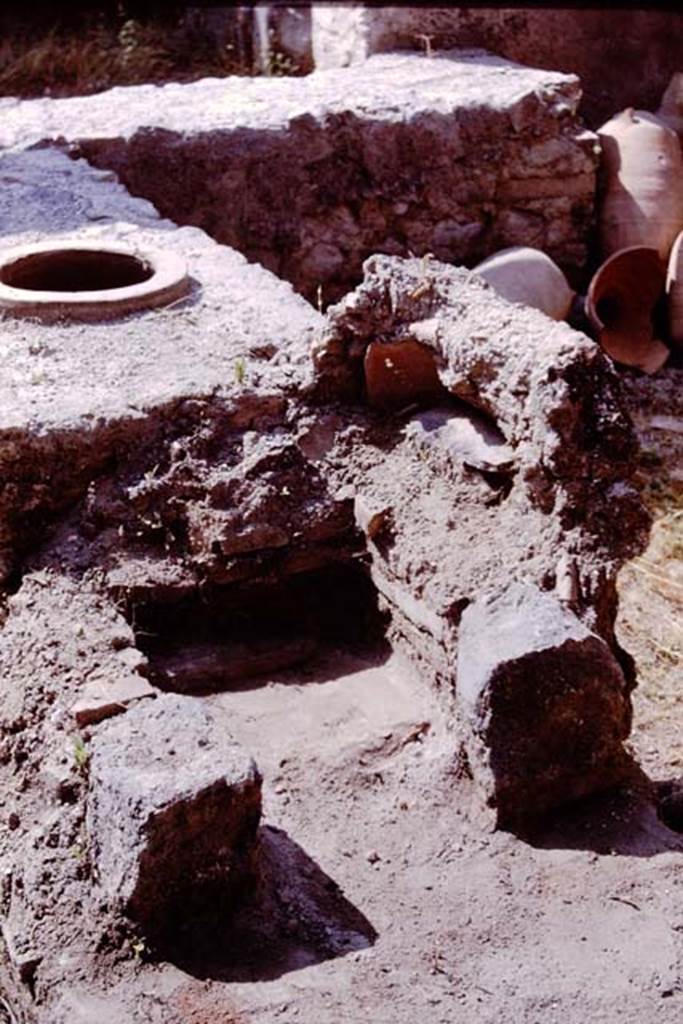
[387, 87]
[238, 317]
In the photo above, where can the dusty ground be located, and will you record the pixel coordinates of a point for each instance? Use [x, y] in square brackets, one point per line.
[392, 904]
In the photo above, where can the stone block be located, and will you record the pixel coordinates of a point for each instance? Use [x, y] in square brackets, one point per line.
[570, 39]
[238, 343]
[203, 668]
[173, 808]
[544, 705]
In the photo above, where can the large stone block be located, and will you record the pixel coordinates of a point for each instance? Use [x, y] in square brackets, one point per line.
[173, 809]
[544, 705]
[230, 353]
[594, 44]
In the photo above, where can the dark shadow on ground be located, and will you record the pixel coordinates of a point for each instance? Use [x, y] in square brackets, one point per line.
[298, 917]
[623, 821]
[217, 640]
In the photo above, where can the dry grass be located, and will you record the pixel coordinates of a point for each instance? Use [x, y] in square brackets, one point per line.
[650, 623]
[99, 57]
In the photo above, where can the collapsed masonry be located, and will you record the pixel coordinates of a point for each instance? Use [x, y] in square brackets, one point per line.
[212, 474]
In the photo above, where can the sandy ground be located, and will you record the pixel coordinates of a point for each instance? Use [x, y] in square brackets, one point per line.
[434, 920]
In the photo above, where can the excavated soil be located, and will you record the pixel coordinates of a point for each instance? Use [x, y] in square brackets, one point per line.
[383, 899]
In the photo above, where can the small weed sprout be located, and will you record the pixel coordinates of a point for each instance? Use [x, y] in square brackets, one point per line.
[426, 282]
[281, 65]
[81, 755]
[240, 370]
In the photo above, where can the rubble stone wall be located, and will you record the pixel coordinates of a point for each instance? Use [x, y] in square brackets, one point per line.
[458, 155]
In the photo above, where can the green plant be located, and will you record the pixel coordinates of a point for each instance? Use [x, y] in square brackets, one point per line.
[81, 755]
[280, 65]
[102, 54]
[427, 43]
[240, 370]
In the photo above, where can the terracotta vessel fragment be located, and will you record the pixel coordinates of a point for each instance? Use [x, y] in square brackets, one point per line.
[523, 274]
[401, 373]
[621, 303]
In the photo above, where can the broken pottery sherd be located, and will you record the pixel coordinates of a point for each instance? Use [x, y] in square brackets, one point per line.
[460, 436]
[400, 373]
[523, 274]
[621, 302]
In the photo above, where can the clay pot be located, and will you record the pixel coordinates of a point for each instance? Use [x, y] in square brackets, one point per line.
[621, 303]
[401, 373]
[674, 292]
[671, 108]
[522, 274]
[642, 202]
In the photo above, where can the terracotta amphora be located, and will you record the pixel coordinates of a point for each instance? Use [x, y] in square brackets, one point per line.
[674, 292]
[522, 274]
[671, 108]
[642, 197]
[622, 303]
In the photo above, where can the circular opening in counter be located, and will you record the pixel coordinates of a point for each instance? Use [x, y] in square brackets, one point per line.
[88, 281]
[75, 270]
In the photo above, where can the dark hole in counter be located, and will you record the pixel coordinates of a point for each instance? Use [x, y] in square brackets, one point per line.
[75, 270]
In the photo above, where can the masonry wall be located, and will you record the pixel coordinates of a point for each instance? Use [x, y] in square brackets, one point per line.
[624, 57]
[457, 155]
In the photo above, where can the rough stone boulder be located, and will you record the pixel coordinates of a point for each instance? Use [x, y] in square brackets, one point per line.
[544, 705]
[173, 808]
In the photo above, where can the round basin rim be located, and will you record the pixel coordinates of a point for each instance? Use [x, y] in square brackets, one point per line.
[169, 273]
